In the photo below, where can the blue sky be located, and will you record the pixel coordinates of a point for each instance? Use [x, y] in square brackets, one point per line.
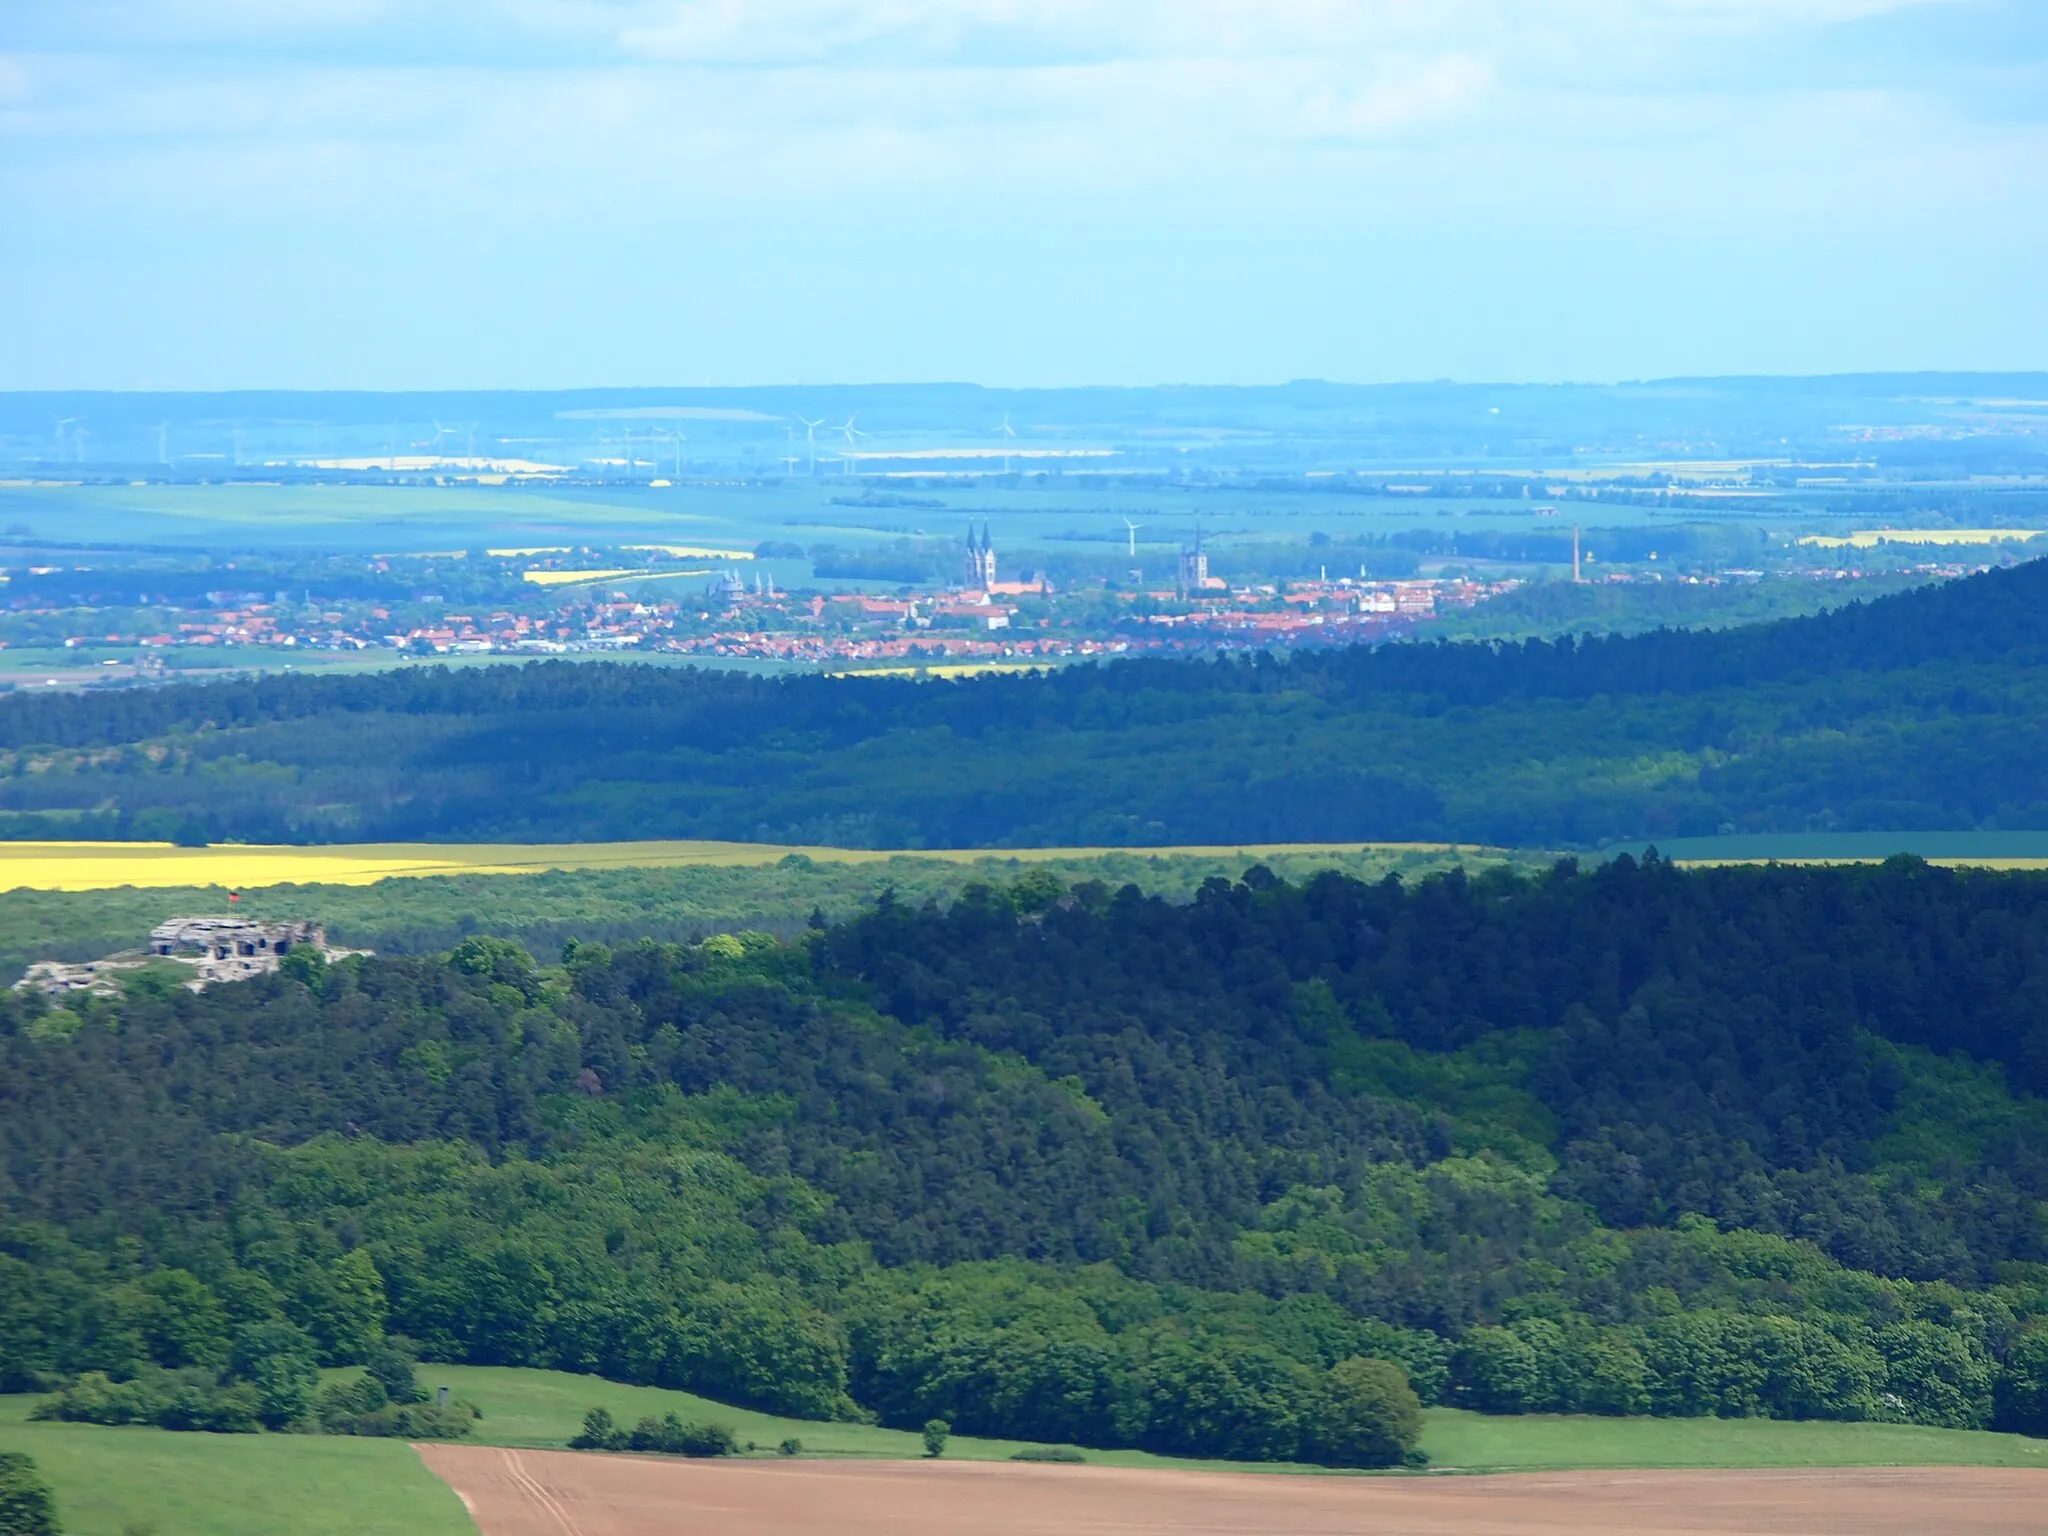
[535, 193]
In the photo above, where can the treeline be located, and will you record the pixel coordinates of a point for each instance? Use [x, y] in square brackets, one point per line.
[1919, 711]
[1080, 1165]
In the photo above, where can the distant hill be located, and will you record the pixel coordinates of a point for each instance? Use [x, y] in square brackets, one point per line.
[1922, 710]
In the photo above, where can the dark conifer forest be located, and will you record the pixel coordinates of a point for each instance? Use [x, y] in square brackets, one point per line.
[1918, 711]
[1081, 1165]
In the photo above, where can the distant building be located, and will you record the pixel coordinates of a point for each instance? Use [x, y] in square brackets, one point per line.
[223, 938]
[217, 949]
[981, 561]
[1193, 575]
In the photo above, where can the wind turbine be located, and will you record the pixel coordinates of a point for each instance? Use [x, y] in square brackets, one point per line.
[853, 436]
[66, 422]
[811, 439]
[1007, 429]
[679, 450]
[1133, 533]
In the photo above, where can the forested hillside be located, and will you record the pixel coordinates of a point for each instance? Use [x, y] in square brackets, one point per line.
[1919, 711]
[1083, 1165]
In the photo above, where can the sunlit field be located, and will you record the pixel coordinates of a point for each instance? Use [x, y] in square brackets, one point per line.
[108, 866]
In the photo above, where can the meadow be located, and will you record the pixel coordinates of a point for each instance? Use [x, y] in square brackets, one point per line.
[131, 1481]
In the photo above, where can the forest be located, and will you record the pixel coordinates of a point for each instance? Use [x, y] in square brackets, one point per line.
[1075, 1164]
[1917, 711]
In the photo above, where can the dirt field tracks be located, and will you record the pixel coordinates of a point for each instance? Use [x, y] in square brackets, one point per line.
[558, 1493]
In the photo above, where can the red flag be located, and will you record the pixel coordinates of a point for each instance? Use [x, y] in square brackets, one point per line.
[234, 895]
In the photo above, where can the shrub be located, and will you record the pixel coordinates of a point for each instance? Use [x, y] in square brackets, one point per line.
[361, 1408]
[1370, 1416]
[599, 1433]
[790, 1447]
[935, 1433]
[188, 1400]
[1060, 1453]
[670, 1435]
[26, 1505]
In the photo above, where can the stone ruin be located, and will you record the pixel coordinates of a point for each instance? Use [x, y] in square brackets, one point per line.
[217, 949]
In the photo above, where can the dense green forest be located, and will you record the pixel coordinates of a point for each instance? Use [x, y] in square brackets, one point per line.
[1922, 710]
[1077, 1164]
[1543, 609]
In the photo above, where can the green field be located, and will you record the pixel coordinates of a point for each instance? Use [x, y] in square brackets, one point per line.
[1537, 1441]
[127, 1482]
[545, 1408]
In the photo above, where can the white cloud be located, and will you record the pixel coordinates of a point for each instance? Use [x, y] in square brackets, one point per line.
[242, 130]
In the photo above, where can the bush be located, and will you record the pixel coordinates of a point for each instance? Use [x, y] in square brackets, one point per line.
[790, 1447]
[599, 1433]
[1059, 1453]
[187, 1400]
[26, 1505]
[935, 1433]
[362, 1408]
[1370, 1416]
[670, 1435]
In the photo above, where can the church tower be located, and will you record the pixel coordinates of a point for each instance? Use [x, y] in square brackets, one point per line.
[981, 560]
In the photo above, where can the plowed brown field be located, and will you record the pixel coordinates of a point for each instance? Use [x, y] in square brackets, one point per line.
[558, 1493]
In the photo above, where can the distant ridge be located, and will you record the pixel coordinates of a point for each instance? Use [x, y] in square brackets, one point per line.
[1924, 711]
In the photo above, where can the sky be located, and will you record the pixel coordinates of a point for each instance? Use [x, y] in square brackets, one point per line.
[551, 193]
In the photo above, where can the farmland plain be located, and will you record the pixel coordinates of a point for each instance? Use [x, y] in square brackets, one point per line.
[541, 1493]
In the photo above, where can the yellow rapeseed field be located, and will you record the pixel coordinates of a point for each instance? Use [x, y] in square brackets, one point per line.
[1870, 538]
[572, 578]
[107, 866]
[694, 551]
